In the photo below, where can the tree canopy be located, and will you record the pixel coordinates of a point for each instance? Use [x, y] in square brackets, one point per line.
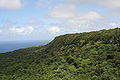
[81, 56]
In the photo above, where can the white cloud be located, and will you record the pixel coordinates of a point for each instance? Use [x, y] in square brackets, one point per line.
[74, 19]
[18, 30]
[92, 15]
[113, 24]
[22, 30]
[54, 30]
[68, 11]
[107, 3]
[10, 4]
[113, 6]
[63, 11]
[81, 19]
[110, 3]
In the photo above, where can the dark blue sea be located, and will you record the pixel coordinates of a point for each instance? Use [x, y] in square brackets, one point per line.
[6, 46]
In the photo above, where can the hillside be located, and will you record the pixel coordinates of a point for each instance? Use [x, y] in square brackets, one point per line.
[81, 56]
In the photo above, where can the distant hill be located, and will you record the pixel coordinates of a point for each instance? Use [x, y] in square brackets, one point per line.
[81, 56]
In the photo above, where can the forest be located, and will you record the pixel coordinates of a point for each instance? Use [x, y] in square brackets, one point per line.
[82, 56]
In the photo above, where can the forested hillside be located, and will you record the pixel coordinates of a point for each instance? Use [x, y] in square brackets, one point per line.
[81, 56]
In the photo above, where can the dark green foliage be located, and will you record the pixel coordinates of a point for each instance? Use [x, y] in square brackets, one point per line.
[84, 56]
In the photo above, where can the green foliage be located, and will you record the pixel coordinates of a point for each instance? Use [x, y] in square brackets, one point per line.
[83, 56]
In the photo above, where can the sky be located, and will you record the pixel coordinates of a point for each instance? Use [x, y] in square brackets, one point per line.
[45, 19]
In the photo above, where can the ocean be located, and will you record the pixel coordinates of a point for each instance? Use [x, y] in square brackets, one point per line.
[7, 46]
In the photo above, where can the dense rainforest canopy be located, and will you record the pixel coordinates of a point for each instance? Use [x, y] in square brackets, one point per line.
[81, 56]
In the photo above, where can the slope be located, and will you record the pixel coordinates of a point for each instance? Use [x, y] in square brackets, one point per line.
[81, 56]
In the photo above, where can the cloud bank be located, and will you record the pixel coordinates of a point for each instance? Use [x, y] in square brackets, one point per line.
[22, 30]
[10, 4]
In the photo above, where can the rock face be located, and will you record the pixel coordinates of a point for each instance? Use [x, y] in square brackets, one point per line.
[82, 56]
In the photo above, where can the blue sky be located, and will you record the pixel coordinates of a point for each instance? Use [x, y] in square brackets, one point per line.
[45, 19]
